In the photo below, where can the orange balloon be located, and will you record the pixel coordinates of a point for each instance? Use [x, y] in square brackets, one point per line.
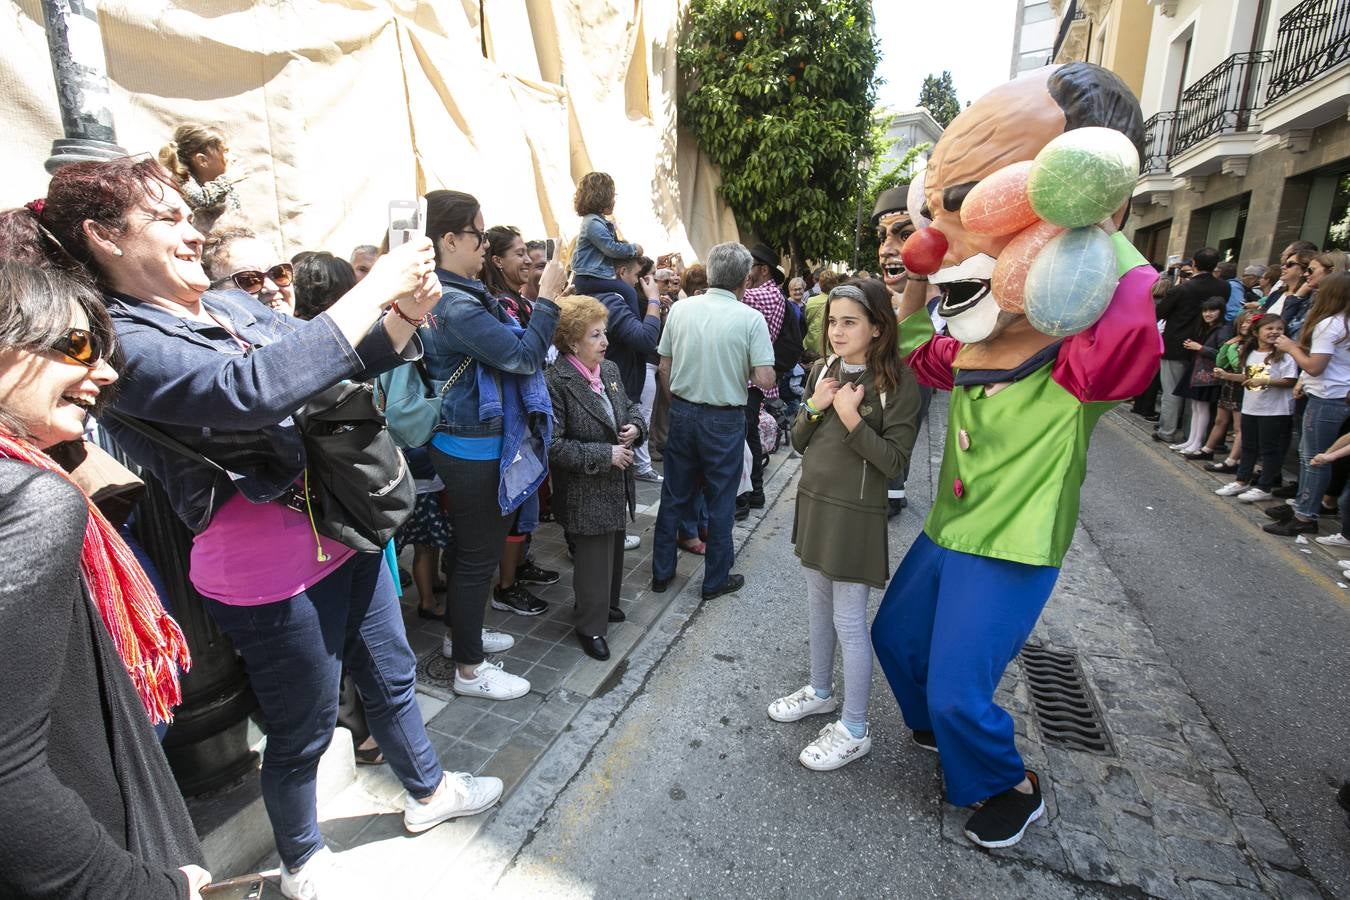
[998, 205]
[1010, 271]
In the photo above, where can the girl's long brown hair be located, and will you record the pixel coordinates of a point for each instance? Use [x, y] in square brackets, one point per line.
[883, 356]
[1332, 299]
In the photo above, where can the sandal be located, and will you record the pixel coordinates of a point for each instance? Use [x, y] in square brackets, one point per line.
[424, 613]
[692, 545]
[371, 756]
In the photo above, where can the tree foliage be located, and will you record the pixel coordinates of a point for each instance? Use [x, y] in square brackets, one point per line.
[938, 96]
[779, 94]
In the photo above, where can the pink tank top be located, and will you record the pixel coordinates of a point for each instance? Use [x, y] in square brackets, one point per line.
[256, 553]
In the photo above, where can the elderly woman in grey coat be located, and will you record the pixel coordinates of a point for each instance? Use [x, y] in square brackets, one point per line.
[595, 428]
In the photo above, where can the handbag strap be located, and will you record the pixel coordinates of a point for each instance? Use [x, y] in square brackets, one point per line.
[149, 431]
[455, 376]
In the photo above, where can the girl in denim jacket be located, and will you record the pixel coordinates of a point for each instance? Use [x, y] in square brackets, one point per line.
[598, 247]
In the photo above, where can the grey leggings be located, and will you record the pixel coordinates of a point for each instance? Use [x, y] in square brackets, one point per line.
[839, 608]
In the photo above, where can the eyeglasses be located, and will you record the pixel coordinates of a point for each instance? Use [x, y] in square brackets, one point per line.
[80, 346]
[476, 233]
[251, 280]
[1289, 264]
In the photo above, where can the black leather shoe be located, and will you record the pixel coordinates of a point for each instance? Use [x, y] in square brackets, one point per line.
[616, 614]
[659, 585]
[1199, 454]
[1286, 491]
[742, 512]
[595, 647]
[734, 584]
[755, 499]
[1224, 467]
[1281, 512]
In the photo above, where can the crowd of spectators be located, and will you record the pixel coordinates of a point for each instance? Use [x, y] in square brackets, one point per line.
[1265, 358]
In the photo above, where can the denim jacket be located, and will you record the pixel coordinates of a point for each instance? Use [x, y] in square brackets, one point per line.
[523, 406]
[232, 404]
[598, 247]
[471, 326]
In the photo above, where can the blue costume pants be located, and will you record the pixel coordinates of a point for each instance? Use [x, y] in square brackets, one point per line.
[948, 626]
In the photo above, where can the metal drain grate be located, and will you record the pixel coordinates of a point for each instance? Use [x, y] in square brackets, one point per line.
[1065, 708]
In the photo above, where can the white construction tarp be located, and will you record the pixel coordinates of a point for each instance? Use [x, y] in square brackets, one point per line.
[336, 107]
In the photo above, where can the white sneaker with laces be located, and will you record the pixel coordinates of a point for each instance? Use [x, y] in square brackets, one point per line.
[1334, 540]
[1232, 489]
[632, 541]
[1252, 495]
[800, 704]
[460, 794]
[491, 681]
[493, 642]
[321, 877]
[834, 747]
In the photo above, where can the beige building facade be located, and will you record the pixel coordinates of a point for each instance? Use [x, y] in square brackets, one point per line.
[1110, 33]
[1247, 138]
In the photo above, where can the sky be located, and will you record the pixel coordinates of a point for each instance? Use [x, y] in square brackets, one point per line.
[971, 38]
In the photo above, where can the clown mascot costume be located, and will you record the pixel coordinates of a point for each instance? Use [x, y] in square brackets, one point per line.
[1050, 322]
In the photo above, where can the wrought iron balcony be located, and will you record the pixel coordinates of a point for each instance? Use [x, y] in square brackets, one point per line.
[1159, 134]
[1224, 101]
[1313, 37]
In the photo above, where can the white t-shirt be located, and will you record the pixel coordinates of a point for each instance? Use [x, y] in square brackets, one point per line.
[1334, 382]
[1268, 400]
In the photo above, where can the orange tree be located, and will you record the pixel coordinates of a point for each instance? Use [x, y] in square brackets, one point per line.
[779, 94]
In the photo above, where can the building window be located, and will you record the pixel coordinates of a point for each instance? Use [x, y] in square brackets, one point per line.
[1036, 12]
[1337, 235]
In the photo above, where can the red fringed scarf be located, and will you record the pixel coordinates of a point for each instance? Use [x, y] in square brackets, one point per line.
[148, 640]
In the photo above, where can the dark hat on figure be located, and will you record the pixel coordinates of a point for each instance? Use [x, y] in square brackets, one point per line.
[763, 253]
[891, 200]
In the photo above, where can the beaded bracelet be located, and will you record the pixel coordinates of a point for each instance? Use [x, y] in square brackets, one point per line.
[427, 319]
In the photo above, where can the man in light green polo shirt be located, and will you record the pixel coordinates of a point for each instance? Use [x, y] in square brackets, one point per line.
[713, 344]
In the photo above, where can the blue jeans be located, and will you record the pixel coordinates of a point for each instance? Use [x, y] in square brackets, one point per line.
[947, 628]
[1322, 420]
[294, 650]
[709, 442]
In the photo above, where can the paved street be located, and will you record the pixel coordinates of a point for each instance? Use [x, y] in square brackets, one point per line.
[660, 774]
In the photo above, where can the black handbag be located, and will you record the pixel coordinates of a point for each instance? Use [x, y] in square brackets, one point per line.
[357, 487]
[356, 478]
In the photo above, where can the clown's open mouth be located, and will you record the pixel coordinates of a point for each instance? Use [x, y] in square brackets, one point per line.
[893, 268]
[959, 296]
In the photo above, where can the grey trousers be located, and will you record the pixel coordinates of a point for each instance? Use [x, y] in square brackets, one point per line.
[1169, 416]
[838, 614]
[597, 574]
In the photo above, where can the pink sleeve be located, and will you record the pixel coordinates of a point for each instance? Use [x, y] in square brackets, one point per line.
[932, 361]
[1117, 357]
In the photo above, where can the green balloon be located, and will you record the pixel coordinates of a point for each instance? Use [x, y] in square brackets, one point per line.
[1083, 176]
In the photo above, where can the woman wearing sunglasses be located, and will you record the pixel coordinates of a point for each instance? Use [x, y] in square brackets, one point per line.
[237, 258]
[223, 376]
[495, 403]
[88, 806]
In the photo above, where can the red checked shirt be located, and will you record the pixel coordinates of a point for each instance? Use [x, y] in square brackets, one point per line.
[769, 301]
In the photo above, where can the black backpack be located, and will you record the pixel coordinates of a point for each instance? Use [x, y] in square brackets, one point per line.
[787, 347]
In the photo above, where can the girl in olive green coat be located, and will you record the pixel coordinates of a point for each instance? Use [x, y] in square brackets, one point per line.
[855, 433]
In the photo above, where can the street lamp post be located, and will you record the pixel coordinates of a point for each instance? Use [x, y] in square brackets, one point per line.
[207, 745]
[81, 73]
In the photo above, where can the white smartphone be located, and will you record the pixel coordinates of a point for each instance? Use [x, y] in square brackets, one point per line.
[407, 218]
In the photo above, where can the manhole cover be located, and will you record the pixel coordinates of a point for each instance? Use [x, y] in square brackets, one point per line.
[1065, 708]
[434, 669]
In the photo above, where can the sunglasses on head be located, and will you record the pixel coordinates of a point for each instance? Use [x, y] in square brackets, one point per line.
[81, 346]
[251, 280]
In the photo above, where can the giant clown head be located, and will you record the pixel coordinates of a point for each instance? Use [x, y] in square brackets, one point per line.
[1014, 191]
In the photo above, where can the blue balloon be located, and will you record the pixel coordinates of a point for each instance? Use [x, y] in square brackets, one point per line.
[1071, 282]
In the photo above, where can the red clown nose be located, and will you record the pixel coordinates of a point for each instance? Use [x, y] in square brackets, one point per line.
[924, 251]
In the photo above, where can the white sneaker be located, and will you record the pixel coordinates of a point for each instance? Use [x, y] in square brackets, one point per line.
[1232, 489]
[632, 541]
[1180, 448]
[651, 476]
[1252, 495]
[460, 795]
[320, 878]
[1344, 564]
[493, 642]
[836, 746]
[1334, 540]
[800, 704]
[491, 681]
